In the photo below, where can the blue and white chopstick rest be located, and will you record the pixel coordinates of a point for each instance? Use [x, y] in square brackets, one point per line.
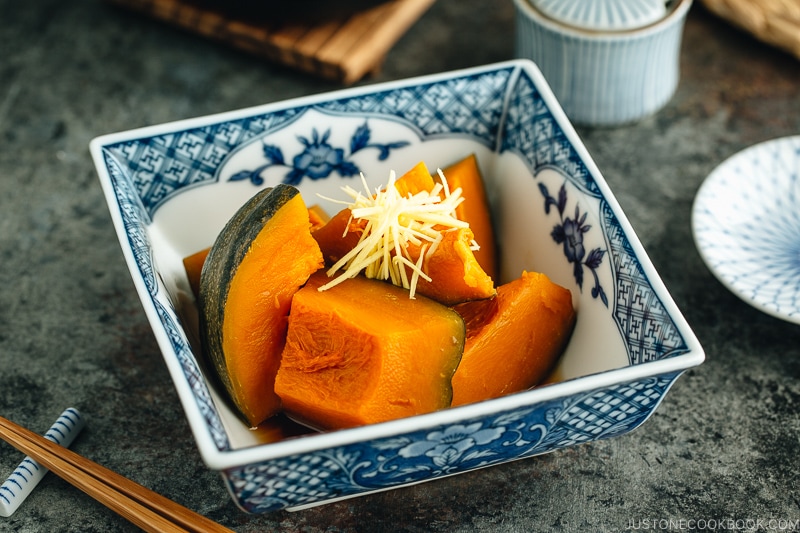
[28, 474]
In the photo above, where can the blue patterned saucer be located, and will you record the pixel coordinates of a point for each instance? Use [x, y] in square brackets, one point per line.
[746, 223]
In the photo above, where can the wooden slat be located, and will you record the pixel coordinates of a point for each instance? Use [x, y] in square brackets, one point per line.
[392, 23]
[343, 47]
[308, 45]
[350, 37]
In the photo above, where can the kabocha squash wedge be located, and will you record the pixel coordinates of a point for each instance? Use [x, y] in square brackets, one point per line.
[363, 352]
[475, 209]
[513, 339]
[456, 276]
[317, 217]
[454, 273]
[257, 263]
[417, 179]
[340, 234]
[193, 264]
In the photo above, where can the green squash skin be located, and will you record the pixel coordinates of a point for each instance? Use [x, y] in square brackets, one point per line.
[224, 258]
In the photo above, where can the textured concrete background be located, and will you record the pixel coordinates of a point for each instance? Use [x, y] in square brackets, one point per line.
[724, 445]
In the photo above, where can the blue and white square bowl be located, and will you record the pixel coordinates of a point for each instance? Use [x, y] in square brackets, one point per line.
[170, 189]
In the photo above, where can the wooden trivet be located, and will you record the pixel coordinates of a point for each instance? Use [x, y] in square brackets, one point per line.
[775, 22]
[342, 44]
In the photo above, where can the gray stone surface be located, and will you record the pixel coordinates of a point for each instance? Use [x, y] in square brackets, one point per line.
[724, 445]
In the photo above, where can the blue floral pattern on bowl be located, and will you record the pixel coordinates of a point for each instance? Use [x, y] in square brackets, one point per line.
[570, 233]
[431, 454]
[507, 110]
[318, 159]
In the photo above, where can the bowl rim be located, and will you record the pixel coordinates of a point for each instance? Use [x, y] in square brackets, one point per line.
[225, 459]
[674, 15]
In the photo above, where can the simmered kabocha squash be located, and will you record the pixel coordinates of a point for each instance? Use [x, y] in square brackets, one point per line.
[341, 233]
[193, 264]
[455, 273]
[513, 339]
[417, 179]
[257, 263]
[363, 352]
[317, 217]
[338, 236]
[475, 209]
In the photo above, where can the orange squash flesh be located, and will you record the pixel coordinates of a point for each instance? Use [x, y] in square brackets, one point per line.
[474, 209]
[277, 262]
[317, 217]
[193, 264]
[362, 352]
[258, 303]
[415, 180]
[340, 234]
[513, 339]
[456, 275]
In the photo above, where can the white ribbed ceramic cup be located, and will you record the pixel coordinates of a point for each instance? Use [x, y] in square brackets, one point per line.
[605, 77]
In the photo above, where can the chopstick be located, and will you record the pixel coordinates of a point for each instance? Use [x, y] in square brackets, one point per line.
[147, 509]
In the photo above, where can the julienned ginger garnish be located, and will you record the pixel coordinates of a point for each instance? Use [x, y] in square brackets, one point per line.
[393, 222]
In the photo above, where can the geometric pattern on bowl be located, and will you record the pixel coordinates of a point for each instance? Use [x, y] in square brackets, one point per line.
[508, 114]
[424, 455]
